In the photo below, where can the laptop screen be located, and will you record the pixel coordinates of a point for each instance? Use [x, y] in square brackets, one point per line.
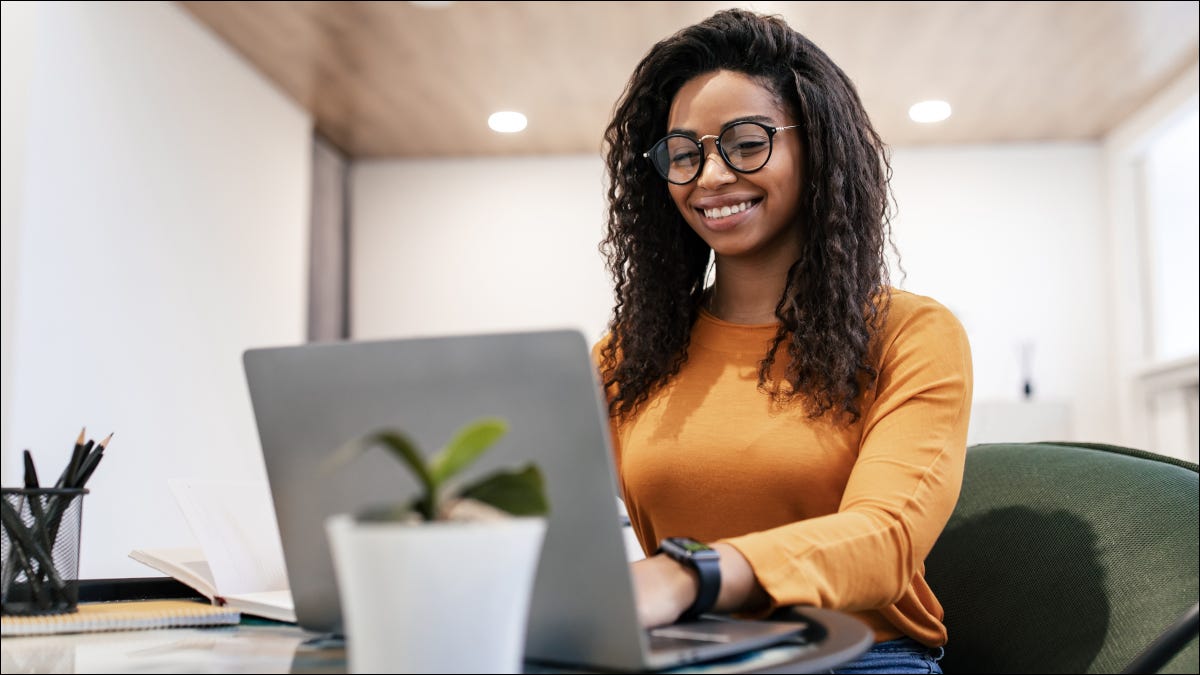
[309, 400]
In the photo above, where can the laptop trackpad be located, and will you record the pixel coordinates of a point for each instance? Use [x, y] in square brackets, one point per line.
[744, 634]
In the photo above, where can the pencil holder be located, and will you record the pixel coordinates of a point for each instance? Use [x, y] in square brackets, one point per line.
[39, 549]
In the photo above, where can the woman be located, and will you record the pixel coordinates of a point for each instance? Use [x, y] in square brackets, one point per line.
[789, 429]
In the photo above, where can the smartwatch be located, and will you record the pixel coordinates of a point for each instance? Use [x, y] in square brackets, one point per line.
[707, 563]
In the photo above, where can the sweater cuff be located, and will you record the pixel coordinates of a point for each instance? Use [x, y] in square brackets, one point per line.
[775, 572]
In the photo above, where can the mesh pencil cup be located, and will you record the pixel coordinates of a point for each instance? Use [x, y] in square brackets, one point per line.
[39, 549]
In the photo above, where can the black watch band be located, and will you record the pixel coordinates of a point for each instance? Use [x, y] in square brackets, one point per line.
[707, 563]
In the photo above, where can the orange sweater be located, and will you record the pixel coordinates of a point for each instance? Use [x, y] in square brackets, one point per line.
[836, 516]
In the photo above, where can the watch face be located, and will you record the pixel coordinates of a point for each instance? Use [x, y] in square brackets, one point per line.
[689, 547]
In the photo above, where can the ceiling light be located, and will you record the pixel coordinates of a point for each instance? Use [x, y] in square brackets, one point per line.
[927, 112]
[507, 122]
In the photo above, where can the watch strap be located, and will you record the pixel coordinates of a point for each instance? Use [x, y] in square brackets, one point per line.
[709, 572]
[707, 565]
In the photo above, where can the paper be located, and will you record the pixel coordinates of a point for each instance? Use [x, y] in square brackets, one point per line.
[234, 523]
[239, 561]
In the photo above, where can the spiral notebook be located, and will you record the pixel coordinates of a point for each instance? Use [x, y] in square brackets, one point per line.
[131, 615]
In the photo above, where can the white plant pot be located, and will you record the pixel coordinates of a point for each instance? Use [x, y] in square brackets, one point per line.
[442, 597]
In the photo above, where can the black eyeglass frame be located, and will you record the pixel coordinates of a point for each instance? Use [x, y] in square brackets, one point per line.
[771, 131]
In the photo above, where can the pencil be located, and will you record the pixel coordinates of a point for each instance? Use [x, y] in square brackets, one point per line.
[73, 465]
[90, 462]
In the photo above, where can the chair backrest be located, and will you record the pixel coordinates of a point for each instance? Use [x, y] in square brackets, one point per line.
[1066, 558]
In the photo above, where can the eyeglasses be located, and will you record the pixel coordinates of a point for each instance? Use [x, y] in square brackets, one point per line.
[745, 147]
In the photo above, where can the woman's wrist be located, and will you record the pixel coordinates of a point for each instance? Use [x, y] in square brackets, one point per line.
[683, 582]
[677, 585]
[739, 585]
[664, 589]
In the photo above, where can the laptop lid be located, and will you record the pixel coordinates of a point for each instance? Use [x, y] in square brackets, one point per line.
[310, 399]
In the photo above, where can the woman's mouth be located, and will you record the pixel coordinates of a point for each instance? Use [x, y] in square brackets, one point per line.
[725, 211]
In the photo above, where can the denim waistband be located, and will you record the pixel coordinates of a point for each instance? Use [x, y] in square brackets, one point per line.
[908, 645]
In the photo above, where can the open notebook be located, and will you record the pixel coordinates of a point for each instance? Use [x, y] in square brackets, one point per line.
[309, 400]
[239, 562]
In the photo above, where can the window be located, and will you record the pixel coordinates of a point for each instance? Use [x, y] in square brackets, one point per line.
[1169, 231]
[1171, 212]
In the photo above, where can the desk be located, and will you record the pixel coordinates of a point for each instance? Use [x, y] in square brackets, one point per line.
[259, 647]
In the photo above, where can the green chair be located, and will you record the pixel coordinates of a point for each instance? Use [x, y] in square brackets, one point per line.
[1070, 558]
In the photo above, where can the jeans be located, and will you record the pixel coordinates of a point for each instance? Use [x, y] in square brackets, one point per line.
[904, 655]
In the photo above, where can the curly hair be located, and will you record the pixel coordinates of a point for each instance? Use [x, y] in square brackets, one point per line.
[837, 293]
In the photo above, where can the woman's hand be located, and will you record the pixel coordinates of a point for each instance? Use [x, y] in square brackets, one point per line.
[663, 589]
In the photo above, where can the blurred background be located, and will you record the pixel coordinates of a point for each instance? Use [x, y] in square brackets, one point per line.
[185, 180]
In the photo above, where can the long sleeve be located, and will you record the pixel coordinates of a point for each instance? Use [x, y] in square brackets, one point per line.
[901, 489]
[828, 514]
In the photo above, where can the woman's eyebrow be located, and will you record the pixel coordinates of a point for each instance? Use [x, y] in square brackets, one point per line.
[746, 118]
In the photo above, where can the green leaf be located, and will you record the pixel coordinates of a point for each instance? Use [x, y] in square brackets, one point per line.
[466, 446]
[407, 452]
[521, 493]
[404, 449]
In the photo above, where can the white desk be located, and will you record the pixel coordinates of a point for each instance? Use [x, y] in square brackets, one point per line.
[281, 648]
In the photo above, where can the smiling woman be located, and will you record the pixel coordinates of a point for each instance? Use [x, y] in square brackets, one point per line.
[742, 202]
[798, 415]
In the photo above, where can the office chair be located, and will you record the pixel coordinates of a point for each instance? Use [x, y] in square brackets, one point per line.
[1070, 558]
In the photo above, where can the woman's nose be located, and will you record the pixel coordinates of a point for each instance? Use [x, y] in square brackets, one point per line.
[715, 172]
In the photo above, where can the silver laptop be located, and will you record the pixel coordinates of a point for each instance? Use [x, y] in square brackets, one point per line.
[310, 399]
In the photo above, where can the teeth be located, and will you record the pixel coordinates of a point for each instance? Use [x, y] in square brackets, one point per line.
[726, 211]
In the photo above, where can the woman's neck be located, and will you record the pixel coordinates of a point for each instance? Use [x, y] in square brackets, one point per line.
[745, 294]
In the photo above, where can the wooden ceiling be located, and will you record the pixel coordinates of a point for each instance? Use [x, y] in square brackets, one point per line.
[395, 79]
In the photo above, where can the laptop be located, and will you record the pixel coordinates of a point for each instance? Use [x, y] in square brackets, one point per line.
[308, 400]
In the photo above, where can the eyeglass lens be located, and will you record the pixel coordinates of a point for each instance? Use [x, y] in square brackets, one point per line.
[746, 146]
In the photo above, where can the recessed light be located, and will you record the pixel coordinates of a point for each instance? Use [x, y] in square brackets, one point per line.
[507, 122]
[928, 112]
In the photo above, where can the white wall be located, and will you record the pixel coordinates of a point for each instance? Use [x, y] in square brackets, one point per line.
[471, 245]
[163, 230]
[16, 26]
[1010, 238]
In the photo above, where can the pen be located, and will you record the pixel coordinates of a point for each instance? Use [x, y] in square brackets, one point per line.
[38, 526]
[31, 477]
[28, 547]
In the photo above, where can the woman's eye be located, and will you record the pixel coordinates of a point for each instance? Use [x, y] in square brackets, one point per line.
[685, 158]
[749, 147]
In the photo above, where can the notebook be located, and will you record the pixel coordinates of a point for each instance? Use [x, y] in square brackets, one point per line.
[130, 615]
[309, 400]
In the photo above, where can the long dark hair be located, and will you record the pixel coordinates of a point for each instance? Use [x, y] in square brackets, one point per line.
[837, 293]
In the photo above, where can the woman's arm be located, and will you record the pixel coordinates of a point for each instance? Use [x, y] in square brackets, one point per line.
[900, 491]
[665, 588]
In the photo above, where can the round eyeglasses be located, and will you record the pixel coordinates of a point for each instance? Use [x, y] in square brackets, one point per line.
[745, 147]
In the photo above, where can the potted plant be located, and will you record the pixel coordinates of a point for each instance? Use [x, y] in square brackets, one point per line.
[440, 583]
